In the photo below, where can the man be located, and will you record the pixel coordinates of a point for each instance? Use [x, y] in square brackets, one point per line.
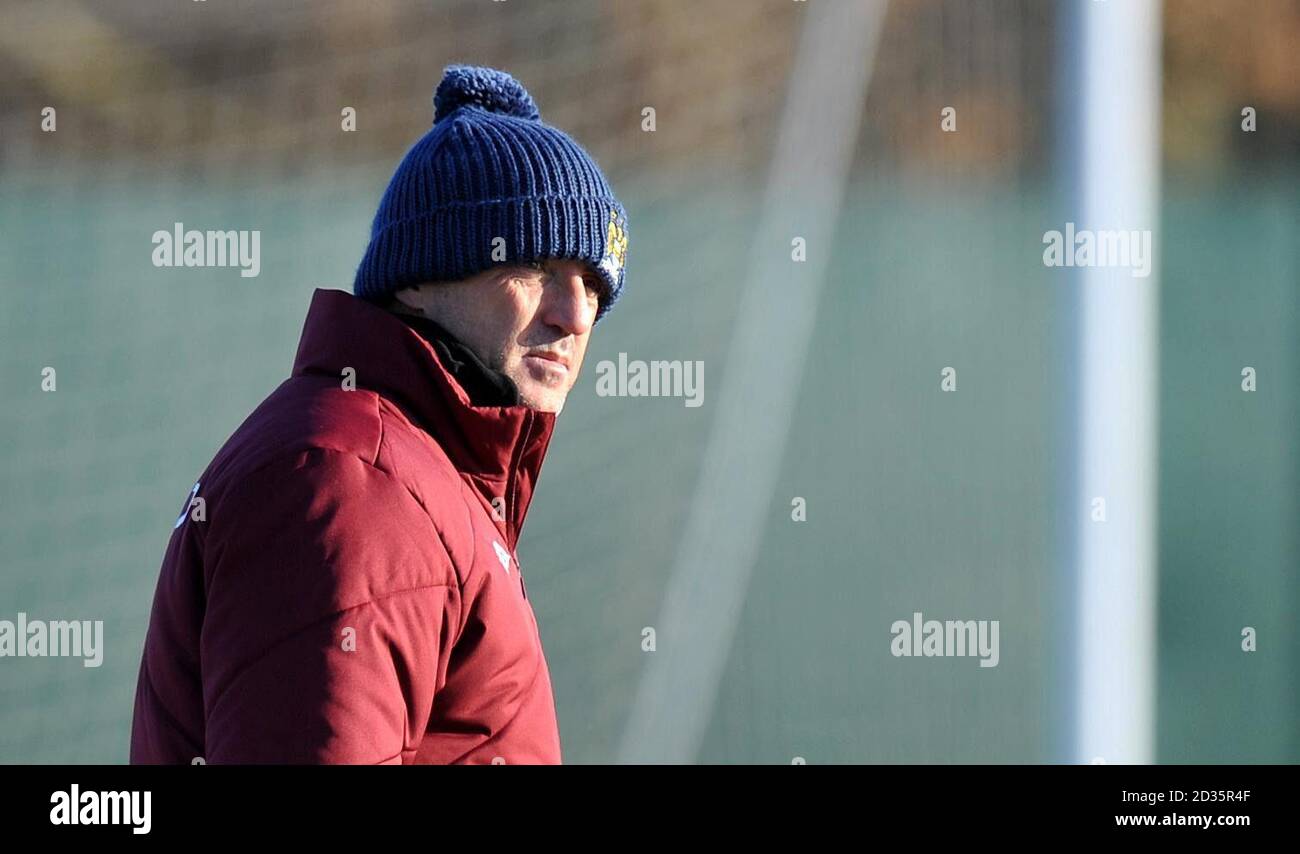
[342, 584]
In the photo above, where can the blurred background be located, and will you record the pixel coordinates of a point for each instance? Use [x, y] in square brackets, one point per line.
[226, 114]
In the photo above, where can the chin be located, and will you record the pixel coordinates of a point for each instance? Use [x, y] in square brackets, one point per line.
[539, 395]
[545, 402]
[544, 407]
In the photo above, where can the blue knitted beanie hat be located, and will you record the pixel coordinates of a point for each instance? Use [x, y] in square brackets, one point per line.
[489, 184]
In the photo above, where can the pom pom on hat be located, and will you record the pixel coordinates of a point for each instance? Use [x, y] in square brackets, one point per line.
[486, 88]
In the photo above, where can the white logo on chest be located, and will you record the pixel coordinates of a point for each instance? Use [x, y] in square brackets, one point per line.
[502, 555]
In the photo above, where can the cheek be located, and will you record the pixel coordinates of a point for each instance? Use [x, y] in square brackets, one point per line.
[500, 320]
[517, 313]
[579, 354]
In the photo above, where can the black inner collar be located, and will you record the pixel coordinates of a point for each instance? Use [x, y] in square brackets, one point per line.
[485, 386]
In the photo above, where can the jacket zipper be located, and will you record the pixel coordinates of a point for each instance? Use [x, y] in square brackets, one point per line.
[512, 524]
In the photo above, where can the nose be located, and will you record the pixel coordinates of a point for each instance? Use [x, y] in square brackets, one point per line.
[566, 304]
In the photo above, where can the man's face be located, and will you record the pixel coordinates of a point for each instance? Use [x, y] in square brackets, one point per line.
[531, 322]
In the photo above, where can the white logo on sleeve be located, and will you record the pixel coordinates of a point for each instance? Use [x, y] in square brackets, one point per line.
[502, 555]
[185, 511]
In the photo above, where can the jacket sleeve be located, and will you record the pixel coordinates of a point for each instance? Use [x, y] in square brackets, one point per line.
[331, 610]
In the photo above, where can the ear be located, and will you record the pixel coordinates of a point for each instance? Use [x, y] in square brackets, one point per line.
[409, 299]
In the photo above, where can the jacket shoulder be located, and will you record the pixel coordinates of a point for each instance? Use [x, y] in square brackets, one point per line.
[313, 416]
[304, 413]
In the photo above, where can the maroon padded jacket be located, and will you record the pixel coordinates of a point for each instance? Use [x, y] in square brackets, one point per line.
[342, 585]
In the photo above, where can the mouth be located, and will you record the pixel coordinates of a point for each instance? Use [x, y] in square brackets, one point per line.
[553, 359]
[548, 367]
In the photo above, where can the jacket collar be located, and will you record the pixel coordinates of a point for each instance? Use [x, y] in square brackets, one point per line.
[497, 449]
[485, 386]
